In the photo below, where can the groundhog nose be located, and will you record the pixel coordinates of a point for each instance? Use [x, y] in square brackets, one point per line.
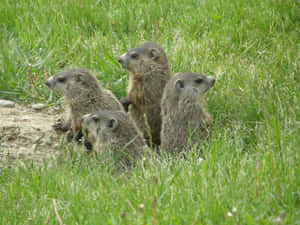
[47, 83]
[211, 81]
[122, 62]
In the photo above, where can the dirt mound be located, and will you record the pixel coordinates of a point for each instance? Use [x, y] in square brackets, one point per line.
[26, 132]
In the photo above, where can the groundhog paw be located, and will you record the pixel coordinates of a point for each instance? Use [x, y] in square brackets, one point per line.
[61, 126]
[126, 103]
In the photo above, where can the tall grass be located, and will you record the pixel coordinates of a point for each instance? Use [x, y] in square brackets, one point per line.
[252, 159]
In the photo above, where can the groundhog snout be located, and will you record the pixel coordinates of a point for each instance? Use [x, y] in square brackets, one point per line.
[48, 83]
[211, 81]
[122, 60]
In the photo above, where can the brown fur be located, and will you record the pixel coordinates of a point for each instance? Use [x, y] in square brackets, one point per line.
[113, 130]
[82, 94]
[183, 111]
[148, 74]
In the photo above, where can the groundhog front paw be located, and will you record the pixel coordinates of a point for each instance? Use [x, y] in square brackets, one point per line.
[69, 136]
[77, 137]
[126, 103]
[61, 126]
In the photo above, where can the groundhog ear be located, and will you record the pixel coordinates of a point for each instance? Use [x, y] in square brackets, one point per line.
[154, 53]
[79, 77]
[112, 124]
[179, 84]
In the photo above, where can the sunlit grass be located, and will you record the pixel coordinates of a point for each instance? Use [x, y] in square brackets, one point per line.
[252, 159]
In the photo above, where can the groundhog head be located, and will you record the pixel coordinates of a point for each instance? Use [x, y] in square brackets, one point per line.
[143, 58]
[191, 85]
[72, 82]
[101, 126]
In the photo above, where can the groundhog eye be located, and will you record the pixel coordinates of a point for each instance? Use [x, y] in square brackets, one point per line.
[61, 80]
[134, 56]
[199, 81]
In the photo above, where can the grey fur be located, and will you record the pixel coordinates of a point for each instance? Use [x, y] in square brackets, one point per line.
[113, 130]
[183, 110]
[82, 94]
[149, 72]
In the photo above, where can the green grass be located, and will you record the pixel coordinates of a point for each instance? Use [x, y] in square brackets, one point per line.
[253, 158]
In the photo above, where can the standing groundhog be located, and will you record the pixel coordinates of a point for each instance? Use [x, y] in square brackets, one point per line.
[114, 131]
[82, 94]
[149, 72]
[183, 113]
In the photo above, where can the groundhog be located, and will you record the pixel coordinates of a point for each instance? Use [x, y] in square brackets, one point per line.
[114, 131]
[82, 94]
[148, 74]
[184, 118]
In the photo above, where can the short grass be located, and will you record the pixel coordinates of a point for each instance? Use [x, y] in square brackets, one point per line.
[253, 158]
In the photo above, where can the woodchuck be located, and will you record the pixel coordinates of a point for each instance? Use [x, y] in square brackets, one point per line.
[82, 94]
[148, 74]
[183, 113]
[114, 131]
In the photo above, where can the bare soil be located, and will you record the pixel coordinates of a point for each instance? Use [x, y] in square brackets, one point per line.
[27, 133]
